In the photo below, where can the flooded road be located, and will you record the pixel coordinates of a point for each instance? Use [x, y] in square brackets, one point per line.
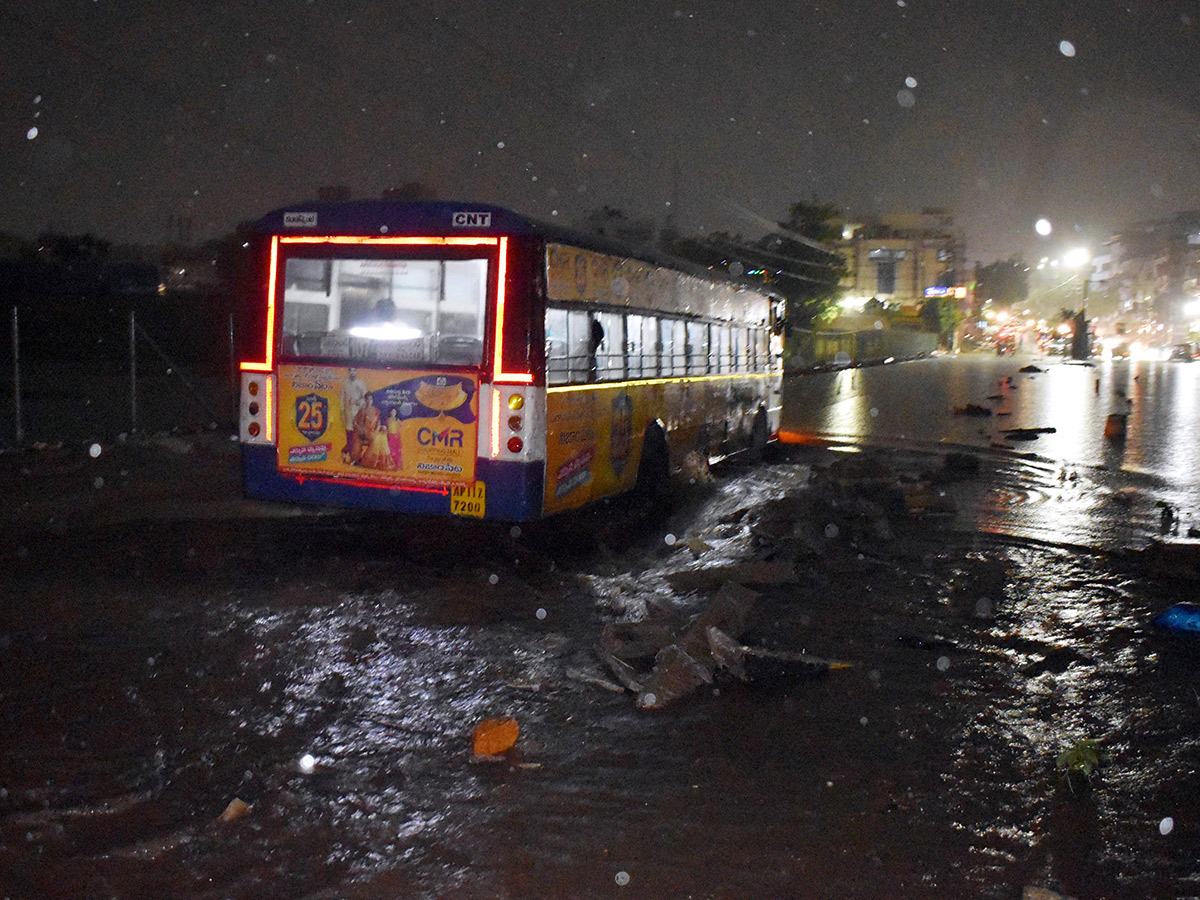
[329, 671]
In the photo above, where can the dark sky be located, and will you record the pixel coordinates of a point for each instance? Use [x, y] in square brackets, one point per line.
[219, 110]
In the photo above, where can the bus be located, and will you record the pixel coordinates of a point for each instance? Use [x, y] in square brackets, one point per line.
[465, 360]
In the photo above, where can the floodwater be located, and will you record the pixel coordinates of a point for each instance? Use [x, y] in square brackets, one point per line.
[329, 671]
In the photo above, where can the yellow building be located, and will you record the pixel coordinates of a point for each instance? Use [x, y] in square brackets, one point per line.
[901, 260]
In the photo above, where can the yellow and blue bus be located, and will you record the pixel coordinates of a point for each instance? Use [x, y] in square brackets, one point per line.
[461, 359]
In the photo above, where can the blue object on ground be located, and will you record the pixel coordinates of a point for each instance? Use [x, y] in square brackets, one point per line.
[1183, 618]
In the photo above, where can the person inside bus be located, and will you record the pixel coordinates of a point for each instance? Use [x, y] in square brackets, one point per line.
[354, 392]
[595, 341]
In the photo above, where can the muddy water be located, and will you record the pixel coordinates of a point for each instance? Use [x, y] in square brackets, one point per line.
[329, 673]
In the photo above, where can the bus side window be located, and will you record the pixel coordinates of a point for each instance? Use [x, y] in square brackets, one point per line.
[651, 346]
[579, 331]
[721, 341]
[697, 343]
[557, 347]
[679, 358]
[633, 346]
[610, 354]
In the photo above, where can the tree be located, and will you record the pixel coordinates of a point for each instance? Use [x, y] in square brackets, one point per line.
[792, 261]
[941, 315]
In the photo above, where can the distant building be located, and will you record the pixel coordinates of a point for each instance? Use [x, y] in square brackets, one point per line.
[902, 260]
[1152, 274]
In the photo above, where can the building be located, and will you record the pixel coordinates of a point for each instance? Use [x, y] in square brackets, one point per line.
[902, 260]
[1151, 271]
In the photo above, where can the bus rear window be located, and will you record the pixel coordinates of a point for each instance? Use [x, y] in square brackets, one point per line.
[385, 310]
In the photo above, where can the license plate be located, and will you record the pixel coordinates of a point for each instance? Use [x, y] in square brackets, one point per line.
[468, 499]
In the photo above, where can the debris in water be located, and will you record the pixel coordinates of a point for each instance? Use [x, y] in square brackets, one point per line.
[972, 409]
[494, 736]
[237, 808]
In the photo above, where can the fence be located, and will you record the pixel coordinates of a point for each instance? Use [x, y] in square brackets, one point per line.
[96, 373]
[806, 349]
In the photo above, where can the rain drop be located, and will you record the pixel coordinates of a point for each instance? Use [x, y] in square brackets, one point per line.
[307, 763]
[1043, 227]
[943, 663]
[736, 269]
[906, 99]
[98, 483]
[831, 531]
[541, 613]
[493, 578]
[863, 721]
[669, 540]
[1066, 48]
[31, 133]
[1166, 826]
[874, 413]
[650, 699]
[514, 532]
[500, 145]
[94, 451]
[622, 878]
[910, 82]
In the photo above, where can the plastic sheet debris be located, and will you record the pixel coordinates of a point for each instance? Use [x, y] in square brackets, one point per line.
[495, 736]
[237, 809]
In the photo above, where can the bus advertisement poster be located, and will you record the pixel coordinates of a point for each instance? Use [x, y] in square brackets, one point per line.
[589, 445]
[385, 426]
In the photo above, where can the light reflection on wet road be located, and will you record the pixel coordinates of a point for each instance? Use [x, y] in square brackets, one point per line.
[1072, 485]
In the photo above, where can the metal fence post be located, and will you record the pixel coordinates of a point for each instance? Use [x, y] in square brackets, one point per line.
[133, 371]
[16, 352]
[234, 386]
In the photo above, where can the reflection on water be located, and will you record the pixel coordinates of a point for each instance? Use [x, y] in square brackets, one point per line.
[1064, 480]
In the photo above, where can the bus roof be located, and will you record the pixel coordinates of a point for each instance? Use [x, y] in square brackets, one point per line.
[378, 218]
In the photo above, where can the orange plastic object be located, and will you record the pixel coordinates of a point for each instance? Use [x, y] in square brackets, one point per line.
[493, 736]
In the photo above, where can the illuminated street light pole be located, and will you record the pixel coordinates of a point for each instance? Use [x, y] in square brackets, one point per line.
[1080, 342]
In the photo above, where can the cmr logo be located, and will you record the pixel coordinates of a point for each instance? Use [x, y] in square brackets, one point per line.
[471, 220]
[450, 437]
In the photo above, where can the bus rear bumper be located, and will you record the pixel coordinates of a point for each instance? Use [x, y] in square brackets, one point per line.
[514, 489]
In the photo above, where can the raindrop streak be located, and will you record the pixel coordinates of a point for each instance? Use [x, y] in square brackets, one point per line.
[1066, 48]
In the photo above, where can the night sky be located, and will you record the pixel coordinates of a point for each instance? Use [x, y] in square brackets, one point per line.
[215, 111]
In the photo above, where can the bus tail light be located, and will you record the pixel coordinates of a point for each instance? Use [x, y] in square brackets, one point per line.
[516, 423]
[257, 418]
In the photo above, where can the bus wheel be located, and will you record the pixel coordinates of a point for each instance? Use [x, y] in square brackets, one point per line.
[759, 436]
[654, 469]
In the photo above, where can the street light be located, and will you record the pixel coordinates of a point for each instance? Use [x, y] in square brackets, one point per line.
[1078, 258]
